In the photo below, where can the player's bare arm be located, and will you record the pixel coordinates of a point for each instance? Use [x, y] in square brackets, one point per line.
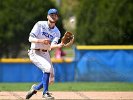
[60, 45]
[35, 40]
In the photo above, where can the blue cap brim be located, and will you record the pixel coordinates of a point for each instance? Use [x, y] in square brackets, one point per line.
[52, 11]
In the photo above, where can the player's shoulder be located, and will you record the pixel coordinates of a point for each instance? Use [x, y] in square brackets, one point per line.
[42, 22]
[57, 30]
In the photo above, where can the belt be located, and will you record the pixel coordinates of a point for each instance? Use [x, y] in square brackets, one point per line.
[41, 50]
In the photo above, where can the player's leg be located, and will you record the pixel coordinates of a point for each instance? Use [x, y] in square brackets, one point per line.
[46, 76]
[31, 92]
[38, 59]
[39, 86]
[34, 58]
[45, 84]
[45, 81]
[43, 61]
[46, 94]
[35, 87]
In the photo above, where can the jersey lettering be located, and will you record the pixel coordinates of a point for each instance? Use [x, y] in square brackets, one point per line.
[47, 35]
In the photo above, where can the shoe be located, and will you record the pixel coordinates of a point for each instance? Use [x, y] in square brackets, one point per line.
[31, 92]
[48, 96]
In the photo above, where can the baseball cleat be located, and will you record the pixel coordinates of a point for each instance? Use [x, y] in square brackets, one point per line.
[31, 92]
[47, 96]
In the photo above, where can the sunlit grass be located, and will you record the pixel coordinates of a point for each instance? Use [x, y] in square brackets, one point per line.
[74, 86]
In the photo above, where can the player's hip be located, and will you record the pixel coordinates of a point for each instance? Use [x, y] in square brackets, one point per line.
[41, 60]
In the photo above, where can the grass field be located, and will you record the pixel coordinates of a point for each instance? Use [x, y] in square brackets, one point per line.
[75, 86]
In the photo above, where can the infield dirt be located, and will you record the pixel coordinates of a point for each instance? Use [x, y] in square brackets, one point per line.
[10, 95]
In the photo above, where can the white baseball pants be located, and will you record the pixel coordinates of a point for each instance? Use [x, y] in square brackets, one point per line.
[41, 60]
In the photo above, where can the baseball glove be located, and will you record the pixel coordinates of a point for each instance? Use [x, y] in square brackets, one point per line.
[67, 39]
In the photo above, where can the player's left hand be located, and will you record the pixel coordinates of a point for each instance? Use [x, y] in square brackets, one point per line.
[67, 39]
[60, 45]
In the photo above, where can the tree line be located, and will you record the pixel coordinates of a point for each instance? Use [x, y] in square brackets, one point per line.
[105, 22]
[17, 17]
[98, 22]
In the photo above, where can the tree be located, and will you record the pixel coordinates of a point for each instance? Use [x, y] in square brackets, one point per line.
[17, 18]
[105, 22]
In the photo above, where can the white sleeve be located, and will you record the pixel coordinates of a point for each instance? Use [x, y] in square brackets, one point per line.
[56, 39]
[35, 30]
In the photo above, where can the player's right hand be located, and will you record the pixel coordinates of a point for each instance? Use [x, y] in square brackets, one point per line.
[44, 41]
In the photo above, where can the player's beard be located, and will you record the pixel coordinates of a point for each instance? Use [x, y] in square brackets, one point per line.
[52, 21]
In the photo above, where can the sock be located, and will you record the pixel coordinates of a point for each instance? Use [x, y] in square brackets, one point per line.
[39, 86]
[45, 82]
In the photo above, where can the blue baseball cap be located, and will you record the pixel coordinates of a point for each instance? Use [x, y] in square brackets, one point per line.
[52, 11]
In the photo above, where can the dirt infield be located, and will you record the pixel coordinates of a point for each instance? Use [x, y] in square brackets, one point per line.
[71, 95]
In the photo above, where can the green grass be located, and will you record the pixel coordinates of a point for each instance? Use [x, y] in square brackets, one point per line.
[75, 86]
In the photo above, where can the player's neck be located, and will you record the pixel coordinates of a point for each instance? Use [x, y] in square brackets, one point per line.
[51, 25]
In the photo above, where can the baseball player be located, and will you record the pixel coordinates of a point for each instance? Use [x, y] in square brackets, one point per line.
[43, 37]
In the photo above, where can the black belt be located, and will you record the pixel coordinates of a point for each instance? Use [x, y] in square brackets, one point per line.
[41, 50]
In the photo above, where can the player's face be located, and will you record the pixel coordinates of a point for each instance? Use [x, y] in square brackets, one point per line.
[53, 18]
